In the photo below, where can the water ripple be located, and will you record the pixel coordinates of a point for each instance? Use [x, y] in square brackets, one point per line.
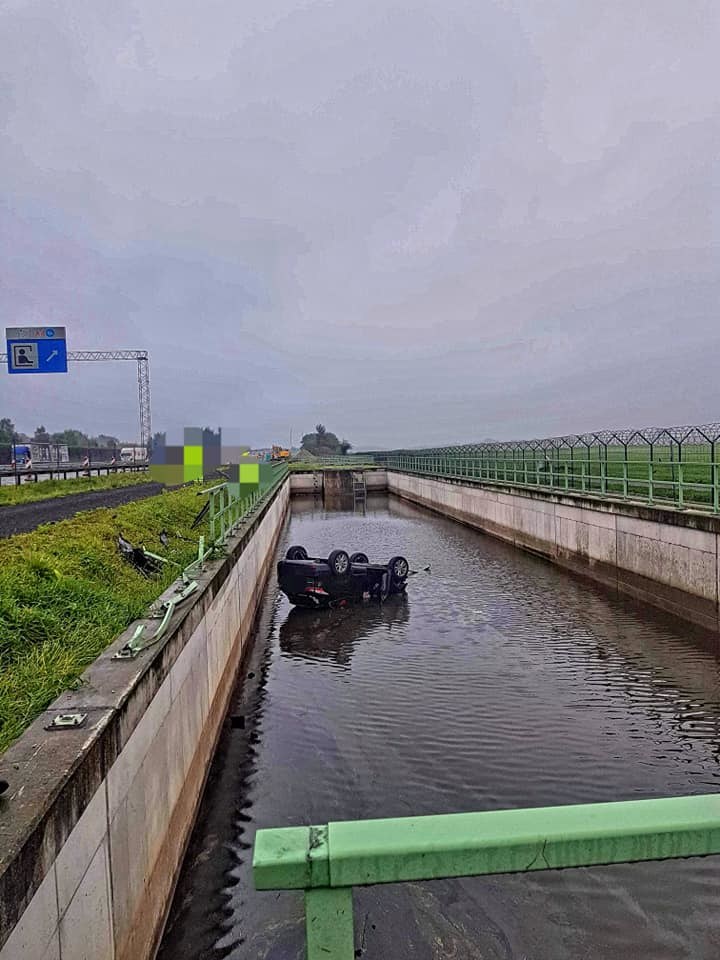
[499, 682]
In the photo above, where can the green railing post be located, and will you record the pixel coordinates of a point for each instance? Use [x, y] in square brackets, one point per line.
[715, 491]
[625, 478]
[651, 493]
[583, 478]
[329, 924]
[680, 496]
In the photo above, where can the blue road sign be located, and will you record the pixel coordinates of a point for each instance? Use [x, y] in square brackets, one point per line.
[36, 349]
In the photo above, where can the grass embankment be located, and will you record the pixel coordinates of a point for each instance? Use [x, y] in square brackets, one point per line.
[299, 466]
[65, 593]
[49, 489]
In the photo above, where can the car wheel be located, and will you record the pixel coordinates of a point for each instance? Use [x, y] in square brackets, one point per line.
[359, 558]
[399, 569]
[296, 553]
[339, 563]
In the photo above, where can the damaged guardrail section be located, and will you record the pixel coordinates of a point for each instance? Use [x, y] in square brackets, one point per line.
[102, 788]
[327, 861]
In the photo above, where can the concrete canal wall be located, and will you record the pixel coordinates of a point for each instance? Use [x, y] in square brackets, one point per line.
[316, 482]
[94, 824]
[666, 557]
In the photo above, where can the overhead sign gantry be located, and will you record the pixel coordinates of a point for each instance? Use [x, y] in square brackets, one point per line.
[36, 350]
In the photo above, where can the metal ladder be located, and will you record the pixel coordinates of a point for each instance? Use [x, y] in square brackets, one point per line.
[359, 491]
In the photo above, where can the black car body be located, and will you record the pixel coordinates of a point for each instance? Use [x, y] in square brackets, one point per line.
[321, 582]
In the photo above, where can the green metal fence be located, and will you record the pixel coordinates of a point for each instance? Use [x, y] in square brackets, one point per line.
[226, 510]
[669, 466]
[328, 861]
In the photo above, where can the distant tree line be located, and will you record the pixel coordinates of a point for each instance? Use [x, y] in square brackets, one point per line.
[324, 444]
[73, 438]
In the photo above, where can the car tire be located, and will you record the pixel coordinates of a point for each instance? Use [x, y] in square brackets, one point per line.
[339, 563]
[296, 553]
[359, 558]
[399, 569]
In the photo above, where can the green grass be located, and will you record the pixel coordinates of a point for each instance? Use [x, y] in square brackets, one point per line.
[300, 466]
[49, 489]
[65, 593]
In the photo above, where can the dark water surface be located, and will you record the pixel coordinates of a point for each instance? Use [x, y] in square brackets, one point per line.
[499, 682]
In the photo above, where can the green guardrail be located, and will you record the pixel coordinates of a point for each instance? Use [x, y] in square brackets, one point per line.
[328, 861]
[684, 484]
[226, 510]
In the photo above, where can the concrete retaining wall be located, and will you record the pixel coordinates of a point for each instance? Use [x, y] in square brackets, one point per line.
[313, 482]
[307, 483]
[94, 825]
[666, 557]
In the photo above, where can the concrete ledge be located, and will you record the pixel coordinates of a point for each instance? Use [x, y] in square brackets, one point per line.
[668, 558]
[93, 826]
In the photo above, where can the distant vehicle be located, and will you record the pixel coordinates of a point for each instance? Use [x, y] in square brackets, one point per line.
[133, 455]
[48, 453]
[327, 582]
[22, 455]
[280, 453]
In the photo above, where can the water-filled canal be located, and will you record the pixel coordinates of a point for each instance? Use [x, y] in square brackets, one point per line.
[500, 681]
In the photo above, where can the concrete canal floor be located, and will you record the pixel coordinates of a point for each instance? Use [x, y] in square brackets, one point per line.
[499, 682]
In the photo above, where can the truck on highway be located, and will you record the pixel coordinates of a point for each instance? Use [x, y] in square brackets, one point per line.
[133, 455]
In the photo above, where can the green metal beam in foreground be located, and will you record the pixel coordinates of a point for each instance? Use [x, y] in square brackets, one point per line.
[329, 860]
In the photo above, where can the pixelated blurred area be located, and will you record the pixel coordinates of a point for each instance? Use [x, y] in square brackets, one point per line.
[201, 457]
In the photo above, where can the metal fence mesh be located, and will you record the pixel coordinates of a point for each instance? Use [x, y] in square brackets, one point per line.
[675, 466]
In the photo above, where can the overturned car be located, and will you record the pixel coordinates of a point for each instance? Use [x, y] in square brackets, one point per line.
[341, 577]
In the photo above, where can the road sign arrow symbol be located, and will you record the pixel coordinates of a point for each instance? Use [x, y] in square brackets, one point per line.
[53, 354]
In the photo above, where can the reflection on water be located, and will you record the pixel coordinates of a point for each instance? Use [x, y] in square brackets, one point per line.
[332, 635]
[499, 681]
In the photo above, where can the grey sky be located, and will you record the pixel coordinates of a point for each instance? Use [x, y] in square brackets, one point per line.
[417, 222]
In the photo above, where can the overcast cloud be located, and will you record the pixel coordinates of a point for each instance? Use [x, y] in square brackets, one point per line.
[416, 222]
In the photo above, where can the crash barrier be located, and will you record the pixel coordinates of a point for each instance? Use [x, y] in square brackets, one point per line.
[663, 556]
[676, 466]
[31, 459]
[328, 861]
[19, 475]
[103, 787]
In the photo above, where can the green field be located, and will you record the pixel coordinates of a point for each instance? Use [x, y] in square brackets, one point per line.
[65, 593]
[49, 489]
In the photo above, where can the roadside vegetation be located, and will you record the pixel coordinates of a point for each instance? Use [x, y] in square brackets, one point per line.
[25, 492]
[65, 593]
[298, 466]
[322, 443]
